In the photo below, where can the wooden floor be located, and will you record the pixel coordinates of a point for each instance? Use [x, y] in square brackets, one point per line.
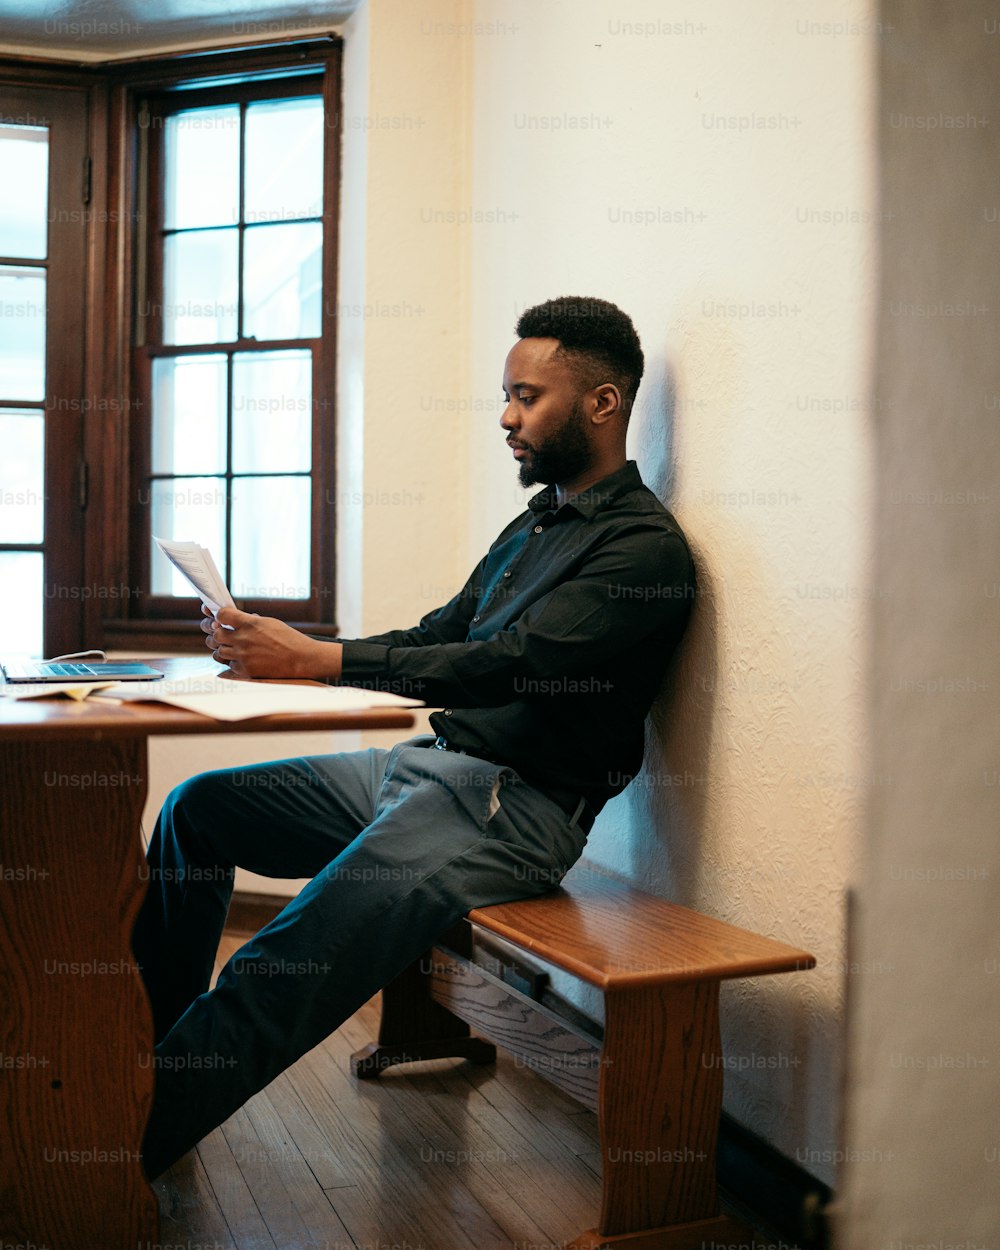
[433, 1156]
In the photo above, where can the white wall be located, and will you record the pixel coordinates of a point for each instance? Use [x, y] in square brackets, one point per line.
[793, 736]
[709, 168]
[922, 1146]
[459, 211]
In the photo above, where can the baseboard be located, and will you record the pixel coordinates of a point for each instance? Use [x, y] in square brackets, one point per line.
[758, 1183]
[772, 1192]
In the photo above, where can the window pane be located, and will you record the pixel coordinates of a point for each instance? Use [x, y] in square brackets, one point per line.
[202, 168]
[190, 509]
[21, 579]
[199, 286]
[282, 281]
[272, 412]
[189, 414]
[22, 477]
[284, 160]
[24, 176]
[22, 333]
[270, 545]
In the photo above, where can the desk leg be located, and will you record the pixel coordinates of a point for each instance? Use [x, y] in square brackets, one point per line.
[75, 1080]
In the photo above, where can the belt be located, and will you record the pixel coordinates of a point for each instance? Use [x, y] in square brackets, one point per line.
[573, 804]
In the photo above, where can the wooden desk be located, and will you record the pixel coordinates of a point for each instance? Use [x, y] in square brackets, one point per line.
[76, 1028]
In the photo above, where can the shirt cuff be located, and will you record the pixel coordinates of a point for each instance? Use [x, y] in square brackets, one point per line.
[362, 662]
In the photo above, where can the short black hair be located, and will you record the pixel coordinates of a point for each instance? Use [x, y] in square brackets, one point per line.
[597, 336]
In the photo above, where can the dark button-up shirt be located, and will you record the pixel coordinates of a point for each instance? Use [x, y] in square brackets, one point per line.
[550, 655]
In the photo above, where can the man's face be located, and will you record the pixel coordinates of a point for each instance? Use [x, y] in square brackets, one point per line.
[544, 418]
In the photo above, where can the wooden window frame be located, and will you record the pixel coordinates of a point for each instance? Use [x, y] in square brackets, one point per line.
[160, 622]
[109, 408]
[64, 104]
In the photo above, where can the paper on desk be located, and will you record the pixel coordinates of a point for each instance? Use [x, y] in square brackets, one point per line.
[225, 699]
[36, 690]
[196, 564]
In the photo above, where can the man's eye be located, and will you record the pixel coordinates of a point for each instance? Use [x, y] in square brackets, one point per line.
[528, 400]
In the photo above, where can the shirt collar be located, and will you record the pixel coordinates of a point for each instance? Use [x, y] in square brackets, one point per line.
[590, 501]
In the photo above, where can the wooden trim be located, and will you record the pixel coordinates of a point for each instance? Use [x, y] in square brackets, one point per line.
[63, 109]
[324, 551]
[225, 63]
[236, 58]
[299, 82]
[41, 71]
[178, 635]
[321, 71]
[106, 537]
[110, 519]
[783, 1199]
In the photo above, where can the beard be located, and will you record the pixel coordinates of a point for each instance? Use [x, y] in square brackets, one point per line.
[561, 457]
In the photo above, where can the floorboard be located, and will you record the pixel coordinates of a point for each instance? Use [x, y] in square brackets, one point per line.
[434, 1156]
[440, 1155]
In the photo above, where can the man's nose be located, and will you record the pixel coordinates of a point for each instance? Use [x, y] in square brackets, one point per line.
[507, 420]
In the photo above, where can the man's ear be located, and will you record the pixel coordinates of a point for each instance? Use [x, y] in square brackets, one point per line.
[607, 402]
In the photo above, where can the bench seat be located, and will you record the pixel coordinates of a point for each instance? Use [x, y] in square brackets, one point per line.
[653, 1074]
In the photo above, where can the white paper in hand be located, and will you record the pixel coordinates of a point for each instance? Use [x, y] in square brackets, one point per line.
[196, 564]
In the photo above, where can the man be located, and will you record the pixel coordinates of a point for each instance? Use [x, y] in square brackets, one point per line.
[544, 664]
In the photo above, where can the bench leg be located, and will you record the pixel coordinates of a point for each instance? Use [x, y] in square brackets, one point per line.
[413, 1026]
[659, 1104]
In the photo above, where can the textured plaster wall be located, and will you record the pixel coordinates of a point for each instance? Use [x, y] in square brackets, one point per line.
[709, 167]
[922, 1145]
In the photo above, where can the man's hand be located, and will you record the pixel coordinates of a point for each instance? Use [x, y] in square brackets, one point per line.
[260, 646]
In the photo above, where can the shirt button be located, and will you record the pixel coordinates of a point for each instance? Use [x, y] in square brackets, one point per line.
[538, 529]
[474, 619]
[507, 573]
[447, 711]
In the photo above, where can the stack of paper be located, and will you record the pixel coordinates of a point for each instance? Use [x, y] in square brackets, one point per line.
[197, 565]
[226, 699]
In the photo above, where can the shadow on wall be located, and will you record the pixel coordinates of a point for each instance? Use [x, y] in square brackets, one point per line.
[670, 792]
[789, 1027]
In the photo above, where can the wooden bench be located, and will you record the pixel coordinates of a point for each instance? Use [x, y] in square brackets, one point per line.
[654, 1078]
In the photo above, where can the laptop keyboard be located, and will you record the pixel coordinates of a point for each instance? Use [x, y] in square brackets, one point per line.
[27, 672]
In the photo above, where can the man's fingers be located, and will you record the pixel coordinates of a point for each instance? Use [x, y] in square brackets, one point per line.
[232, 616]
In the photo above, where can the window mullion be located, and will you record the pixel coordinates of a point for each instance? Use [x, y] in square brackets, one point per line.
[228, 555]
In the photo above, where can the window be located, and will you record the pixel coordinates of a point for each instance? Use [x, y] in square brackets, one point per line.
[42, 238]
[232, 443]
[167, 321]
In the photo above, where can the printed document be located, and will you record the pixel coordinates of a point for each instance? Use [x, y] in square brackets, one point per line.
[197, 565]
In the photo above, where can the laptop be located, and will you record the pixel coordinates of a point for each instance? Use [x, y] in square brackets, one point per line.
[75, 670]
